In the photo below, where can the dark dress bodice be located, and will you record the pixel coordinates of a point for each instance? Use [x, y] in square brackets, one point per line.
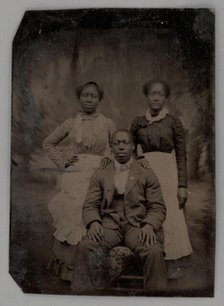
[162, 136]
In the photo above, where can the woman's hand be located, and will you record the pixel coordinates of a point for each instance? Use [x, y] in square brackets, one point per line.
[104, 162]
[72, 161]
[182, 196]
[144, 163]
[95, 231]
[147, 235]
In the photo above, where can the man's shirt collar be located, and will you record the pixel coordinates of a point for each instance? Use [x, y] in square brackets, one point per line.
[122, 167]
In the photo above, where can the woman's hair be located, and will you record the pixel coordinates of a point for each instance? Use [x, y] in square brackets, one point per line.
[80, 88]
[148, 85]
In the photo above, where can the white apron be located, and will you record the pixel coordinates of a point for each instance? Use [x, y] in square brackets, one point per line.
[66, 207]
[177, 243]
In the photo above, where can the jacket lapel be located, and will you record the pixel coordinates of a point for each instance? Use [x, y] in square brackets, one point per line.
[133, 176]
[109, 183]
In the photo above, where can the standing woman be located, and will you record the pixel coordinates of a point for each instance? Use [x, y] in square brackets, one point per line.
[162, 139]
[77, 146]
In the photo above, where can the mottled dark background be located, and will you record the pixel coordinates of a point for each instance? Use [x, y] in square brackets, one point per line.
[53, 52]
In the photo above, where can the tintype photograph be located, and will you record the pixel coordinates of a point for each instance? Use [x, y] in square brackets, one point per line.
[113, 152]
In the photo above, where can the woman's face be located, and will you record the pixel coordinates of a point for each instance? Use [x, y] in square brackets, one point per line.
[89, 99]
[156, 98]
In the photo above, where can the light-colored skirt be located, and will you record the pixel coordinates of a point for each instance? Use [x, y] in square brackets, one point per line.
[176, 243]
[66, 207]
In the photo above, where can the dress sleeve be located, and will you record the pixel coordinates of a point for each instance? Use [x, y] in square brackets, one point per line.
[51, 142]
[112, 128]
[133, 130]
[180, 150]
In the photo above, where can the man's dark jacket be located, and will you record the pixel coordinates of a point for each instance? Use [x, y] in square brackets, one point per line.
[143, 201]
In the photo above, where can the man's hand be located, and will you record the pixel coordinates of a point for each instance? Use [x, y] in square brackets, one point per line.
[104, 162]
[182, 196]
[95, 231]
[147, 235]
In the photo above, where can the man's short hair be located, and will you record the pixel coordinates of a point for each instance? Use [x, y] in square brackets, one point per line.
[122, 130]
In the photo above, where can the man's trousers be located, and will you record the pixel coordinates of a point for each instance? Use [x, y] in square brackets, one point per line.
[91, 260]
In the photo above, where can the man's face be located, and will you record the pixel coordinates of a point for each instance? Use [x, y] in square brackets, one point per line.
[122, 147]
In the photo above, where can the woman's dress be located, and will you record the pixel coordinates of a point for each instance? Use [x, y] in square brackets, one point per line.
[87, 137]
[162, 141]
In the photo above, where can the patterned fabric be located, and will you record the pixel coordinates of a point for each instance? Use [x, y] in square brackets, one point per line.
[117, 260]
[61, 262]
[164, 135]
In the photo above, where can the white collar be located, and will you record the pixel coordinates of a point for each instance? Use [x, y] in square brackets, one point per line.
[122, 167]
[162, 114]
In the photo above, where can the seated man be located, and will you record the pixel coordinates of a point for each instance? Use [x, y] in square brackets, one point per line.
[124, 205]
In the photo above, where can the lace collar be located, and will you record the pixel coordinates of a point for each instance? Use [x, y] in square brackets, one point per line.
[162, 114]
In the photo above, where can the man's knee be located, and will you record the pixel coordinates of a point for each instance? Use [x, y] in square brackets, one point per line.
[86, 245]
[153, 252]
[156, 251]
